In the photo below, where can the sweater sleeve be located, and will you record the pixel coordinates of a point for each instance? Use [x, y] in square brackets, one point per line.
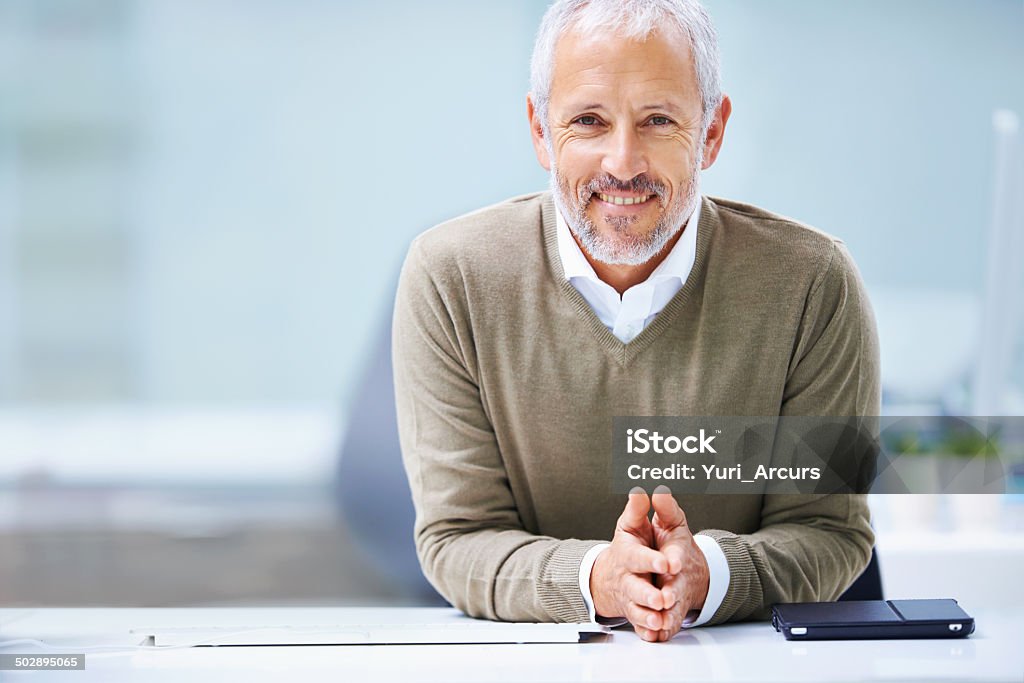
[469, 537]
[812, 547]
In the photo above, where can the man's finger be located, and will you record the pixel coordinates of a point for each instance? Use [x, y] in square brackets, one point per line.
[675, 554]
[640, 559]
[642, 593]
[672, 620]
[669, 596]
[642, 617]
[647, 634]
[668, 514]
[638, 504]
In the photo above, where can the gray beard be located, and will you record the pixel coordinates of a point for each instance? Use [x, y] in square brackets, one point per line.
[622, 248]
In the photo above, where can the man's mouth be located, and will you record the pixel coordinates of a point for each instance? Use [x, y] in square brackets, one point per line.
[623, 201]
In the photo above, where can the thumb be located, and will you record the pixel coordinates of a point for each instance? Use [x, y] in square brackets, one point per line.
[668, 514]
[634, 516]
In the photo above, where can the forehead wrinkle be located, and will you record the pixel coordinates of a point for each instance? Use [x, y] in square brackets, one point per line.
[610, 69]
[663, 88]
[584, 97]
[604, 77]
[609, 81]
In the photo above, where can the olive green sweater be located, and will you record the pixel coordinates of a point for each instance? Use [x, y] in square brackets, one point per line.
[507, 383]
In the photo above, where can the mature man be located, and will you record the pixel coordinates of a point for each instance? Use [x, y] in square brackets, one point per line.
[522, 329]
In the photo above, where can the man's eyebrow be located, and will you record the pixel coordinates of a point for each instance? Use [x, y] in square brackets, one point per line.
[664, 106]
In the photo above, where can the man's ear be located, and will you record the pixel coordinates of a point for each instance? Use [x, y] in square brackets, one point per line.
[540, 146]
[716, 132]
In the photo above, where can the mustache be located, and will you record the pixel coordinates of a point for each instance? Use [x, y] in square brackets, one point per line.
[642, 183]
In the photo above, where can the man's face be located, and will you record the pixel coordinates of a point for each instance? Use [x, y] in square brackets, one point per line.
[624, 139]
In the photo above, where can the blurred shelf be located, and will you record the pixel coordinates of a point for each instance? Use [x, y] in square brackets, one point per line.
[131, 445]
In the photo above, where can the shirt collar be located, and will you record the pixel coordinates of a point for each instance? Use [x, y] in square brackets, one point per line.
[676, 265]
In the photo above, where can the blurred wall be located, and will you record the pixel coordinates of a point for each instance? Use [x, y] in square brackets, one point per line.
[207, 202]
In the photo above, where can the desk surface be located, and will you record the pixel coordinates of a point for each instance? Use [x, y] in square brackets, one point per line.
[739, 652]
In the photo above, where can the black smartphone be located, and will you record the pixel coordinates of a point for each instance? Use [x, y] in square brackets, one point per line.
[872, 619]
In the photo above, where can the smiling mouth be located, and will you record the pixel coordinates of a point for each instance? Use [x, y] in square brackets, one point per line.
[623, 201]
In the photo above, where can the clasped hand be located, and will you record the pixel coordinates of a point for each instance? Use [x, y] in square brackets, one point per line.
[653, 573]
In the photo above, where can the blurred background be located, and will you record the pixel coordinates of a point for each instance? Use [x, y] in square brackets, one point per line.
[204, 206]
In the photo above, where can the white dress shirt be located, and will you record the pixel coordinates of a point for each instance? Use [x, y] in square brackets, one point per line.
[626, 317]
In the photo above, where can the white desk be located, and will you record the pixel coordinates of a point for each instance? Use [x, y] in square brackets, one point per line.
[741, 652]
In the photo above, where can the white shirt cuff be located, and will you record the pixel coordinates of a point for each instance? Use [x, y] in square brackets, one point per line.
[718, 583]
[587, 566]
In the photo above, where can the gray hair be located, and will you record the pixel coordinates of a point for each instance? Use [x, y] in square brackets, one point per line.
[634, 19]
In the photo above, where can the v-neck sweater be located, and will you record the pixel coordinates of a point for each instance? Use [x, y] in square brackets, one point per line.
[507, 383]
[628, 313]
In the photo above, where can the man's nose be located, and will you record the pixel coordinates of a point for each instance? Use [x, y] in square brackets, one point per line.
[624, 157]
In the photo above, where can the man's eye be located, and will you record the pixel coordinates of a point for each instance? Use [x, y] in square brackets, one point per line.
[660, 120]
[587, 120]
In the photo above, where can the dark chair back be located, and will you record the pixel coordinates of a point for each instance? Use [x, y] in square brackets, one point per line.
[373, 492]
[868, 585]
